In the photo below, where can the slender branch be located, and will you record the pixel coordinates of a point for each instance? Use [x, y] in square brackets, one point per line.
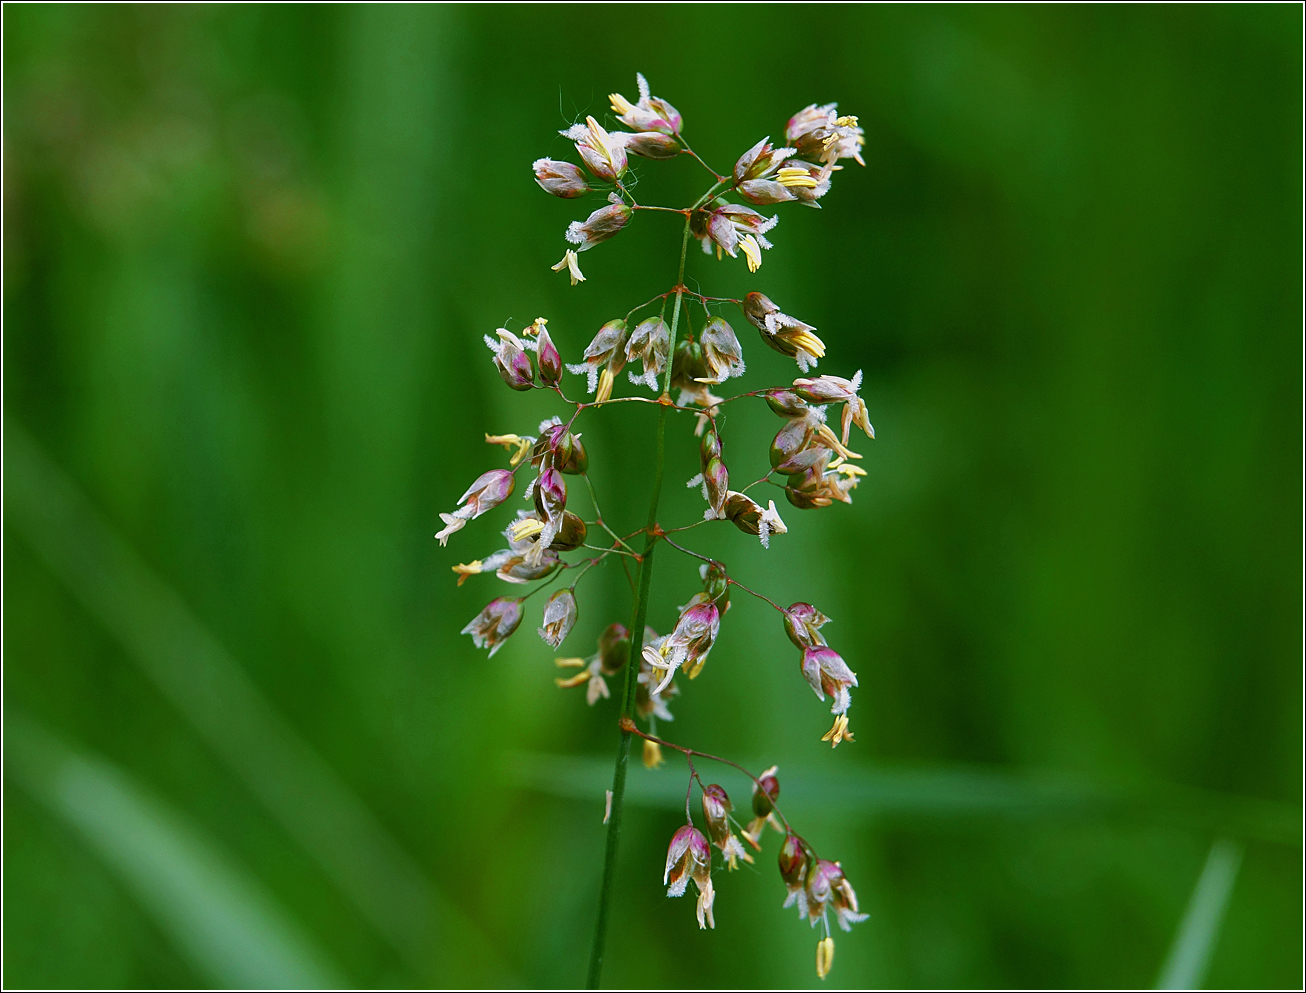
[760, 596]
[681, 548]
[639, 615]
[628, 725]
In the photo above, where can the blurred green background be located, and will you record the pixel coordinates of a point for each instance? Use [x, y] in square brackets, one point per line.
[249, 254]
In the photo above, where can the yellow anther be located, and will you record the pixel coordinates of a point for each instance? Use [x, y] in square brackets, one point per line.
[824, 957]
[576, 680]
[809, 343]
[839, 732]
[791, 177]
[606, 380]
[569, 663]
[752, 252]
[652, 754]
[473, 568]
[528, 527]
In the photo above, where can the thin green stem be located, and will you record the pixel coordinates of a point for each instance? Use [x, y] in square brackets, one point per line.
[638, 617]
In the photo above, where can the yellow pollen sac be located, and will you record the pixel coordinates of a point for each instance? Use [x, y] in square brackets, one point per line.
[620, 105]
[526, 528]
[510, 441]
[473, 568]
[839, 732]
[824, 957]
[808, 342]
[576, 680]
[652, 754]
[832, 439]
[846, 122]
[791, 177]
[569, 663]
[605, 386]
[852, 470]
[752, 252]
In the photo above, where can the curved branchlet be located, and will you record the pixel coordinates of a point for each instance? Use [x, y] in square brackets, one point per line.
[676, 365]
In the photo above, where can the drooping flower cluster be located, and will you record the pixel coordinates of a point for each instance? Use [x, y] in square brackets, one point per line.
[664, 354]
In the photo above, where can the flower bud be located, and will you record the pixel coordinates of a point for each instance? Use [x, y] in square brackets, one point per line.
[765, 192]
[710, 447]
[649, 144]
[550, 494]
[814, 458]
[804, 500]
[790, 440]
[492, 626]
[802, 624]
[721, 351]
[765, 791]
[783, 333]
[716, 812]
[548, 359]
[614, 649]
[571, 534]
[559, 618]
[717, 481]
[787, 404]
[517, 570]
[795, 860]
[747, 515]
[651, 342]
[562, 179]
[688, 367]
[599, 226]
[716, 584]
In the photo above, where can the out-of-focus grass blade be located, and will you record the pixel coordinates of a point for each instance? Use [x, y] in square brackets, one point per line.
[939, 793]
[1185, 966]
[207, 685]
[222, 919]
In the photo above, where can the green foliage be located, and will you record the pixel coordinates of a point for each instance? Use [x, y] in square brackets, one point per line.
[249, 256]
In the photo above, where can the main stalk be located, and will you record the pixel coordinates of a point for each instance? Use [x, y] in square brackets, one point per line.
[638, 617]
